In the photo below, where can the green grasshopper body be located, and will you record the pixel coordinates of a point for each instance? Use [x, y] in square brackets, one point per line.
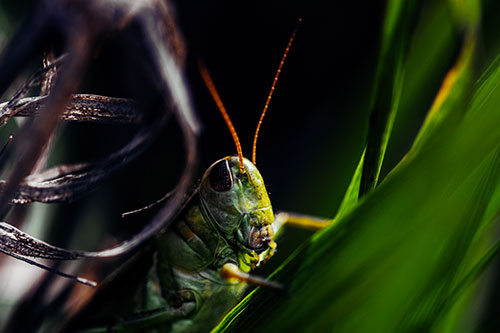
[225, 230]
[229, 221]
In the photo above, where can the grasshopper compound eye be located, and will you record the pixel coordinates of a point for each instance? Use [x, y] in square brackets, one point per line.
[220, 176]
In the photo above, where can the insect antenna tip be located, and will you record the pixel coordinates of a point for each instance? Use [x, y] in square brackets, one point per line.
[9, 140]
[273, 86]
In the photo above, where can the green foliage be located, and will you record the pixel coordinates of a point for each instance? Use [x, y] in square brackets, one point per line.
[409, 256]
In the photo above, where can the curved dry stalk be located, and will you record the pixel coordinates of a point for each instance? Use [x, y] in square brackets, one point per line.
[82, 108]
[35, 80]
[66, 183]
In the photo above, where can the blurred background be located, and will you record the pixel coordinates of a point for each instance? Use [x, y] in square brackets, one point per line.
[311, 139]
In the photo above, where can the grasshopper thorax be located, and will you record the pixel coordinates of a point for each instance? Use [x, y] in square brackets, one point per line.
[238, 205]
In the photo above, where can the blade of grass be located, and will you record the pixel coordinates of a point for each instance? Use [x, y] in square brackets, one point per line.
[387, 89]
[455, 89]
[352, 194]
[413, 81]
[481, 184]
[490, 182]
[433, 50]
[385, 97]
[450, 101]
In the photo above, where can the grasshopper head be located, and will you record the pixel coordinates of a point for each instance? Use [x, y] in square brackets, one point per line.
[239, 205]
[233, 193]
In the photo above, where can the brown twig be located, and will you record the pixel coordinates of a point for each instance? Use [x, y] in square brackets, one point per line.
[82, 108]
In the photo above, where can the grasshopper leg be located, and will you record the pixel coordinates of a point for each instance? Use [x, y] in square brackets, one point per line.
[300, 221]
[231, 273]
[154, 318]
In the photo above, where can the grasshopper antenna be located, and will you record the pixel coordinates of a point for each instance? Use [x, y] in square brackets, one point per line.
[9, 140]
[20, 246]
[150, 206]
[4, 148]
[75, 278]
[254, 150]
[215, 95]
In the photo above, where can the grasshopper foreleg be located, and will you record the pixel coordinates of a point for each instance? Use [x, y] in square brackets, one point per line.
[231, 273]
[300, 221]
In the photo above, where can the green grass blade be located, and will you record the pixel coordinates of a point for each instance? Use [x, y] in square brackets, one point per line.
[454, 92]
[352, 194]
[425, 58]
[433, 48]
[449, 104]
[480, 186]
[385, 97]
[387, 89]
